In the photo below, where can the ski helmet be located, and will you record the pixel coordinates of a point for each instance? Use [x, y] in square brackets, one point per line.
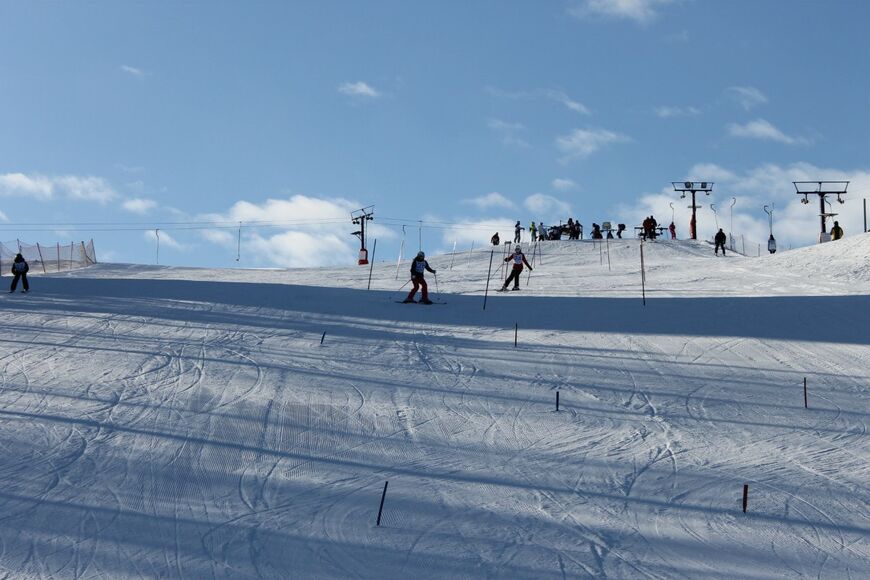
[519, 249]
[421, 255]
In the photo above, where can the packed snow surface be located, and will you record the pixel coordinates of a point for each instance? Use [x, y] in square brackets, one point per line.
[188, 423]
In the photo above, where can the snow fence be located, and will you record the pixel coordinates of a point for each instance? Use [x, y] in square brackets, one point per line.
[47, 258]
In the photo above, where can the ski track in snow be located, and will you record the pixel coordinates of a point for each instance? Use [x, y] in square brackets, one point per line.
[161, 435]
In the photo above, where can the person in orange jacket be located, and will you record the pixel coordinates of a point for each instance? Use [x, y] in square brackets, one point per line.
[518, 259]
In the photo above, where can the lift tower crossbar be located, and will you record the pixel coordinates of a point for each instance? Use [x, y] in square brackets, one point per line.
[822, 189]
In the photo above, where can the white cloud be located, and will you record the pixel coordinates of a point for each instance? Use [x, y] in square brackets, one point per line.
[133, 71]
[748, 97]
[44, 188]
[547, 206]
[560, 184]
[552, 94]
[582, 143]
[139, 205]
[490, 200]
[668, 112]
[508, 132]
[359, 89]
[19, 184]
[641, 11]
[308, 231]
[85, 188]
[564, 99]
[166, 240]
[295, 249]
[3, 217]
[762, 129]
[463, 231]
[795, 224]
[220, 237]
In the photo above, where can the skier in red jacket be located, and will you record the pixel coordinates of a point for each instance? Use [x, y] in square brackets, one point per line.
[418, 267]
[519, 259]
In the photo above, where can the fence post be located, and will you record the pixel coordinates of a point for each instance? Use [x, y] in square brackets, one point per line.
[383, 497]
[488, 274]
[58, 256]
[372, 267]
[72, 246]
[745, 496]
[806, 405]
[642, 275]
[38, 249]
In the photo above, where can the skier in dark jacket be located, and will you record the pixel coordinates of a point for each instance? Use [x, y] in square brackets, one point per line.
[495, 239]
[720, 241]
[418, 267]
[518, 259]
[836, 231]
[517, 229]
[19, 270]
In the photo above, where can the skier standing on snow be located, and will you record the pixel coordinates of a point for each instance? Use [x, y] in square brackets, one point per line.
[673, 229]
[517, 229]
[533, 232]
[519, 259]
[20, 269]
[418, 267]
[495, 239]
[720, 241]
[836, 231]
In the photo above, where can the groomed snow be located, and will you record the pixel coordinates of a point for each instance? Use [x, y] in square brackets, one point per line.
[187, 423]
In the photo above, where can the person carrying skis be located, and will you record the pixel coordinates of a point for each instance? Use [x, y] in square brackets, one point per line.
[519, 259]
[517, 229]
[836, 231]
[533, 232]
[418, 267]
[19, 270]
[720, 241]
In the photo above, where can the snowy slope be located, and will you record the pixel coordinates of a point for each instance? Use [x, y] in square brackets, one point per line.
[171, 422]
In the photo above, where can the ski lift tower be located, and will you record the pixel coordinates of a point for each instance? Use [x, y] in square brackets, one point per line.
[693, 187]
[360, 217]
[822, 189]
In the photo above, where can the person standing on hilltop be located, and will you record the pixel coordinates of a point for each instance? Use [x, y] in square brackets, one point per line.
[836, 232]
[418, 268]
[518, 259]
[19, 270]
[517, 235]
[720, 241]
[533, 232]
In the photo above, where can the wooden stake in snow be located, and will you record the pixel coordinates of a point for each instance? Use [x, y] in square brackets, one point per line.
[642, 275]
[805, 394]
[488, 274]
[383, 497]
[745, 496]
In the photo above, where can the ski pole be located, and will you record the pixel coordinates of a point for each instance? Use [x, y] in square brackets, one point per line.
[438, 292]
[403, 286]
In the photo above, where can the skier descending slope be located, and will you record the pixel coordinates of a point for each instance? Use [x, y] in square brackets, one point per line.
[418, 268]
[20, 269]
[519, 259]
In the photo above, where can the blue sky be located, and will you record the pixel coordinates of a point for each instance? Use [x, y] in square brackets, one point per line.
[126, 115]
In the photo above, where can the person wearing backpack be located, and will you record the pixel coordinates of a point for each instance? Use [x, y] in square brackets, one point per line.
[19, 271]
